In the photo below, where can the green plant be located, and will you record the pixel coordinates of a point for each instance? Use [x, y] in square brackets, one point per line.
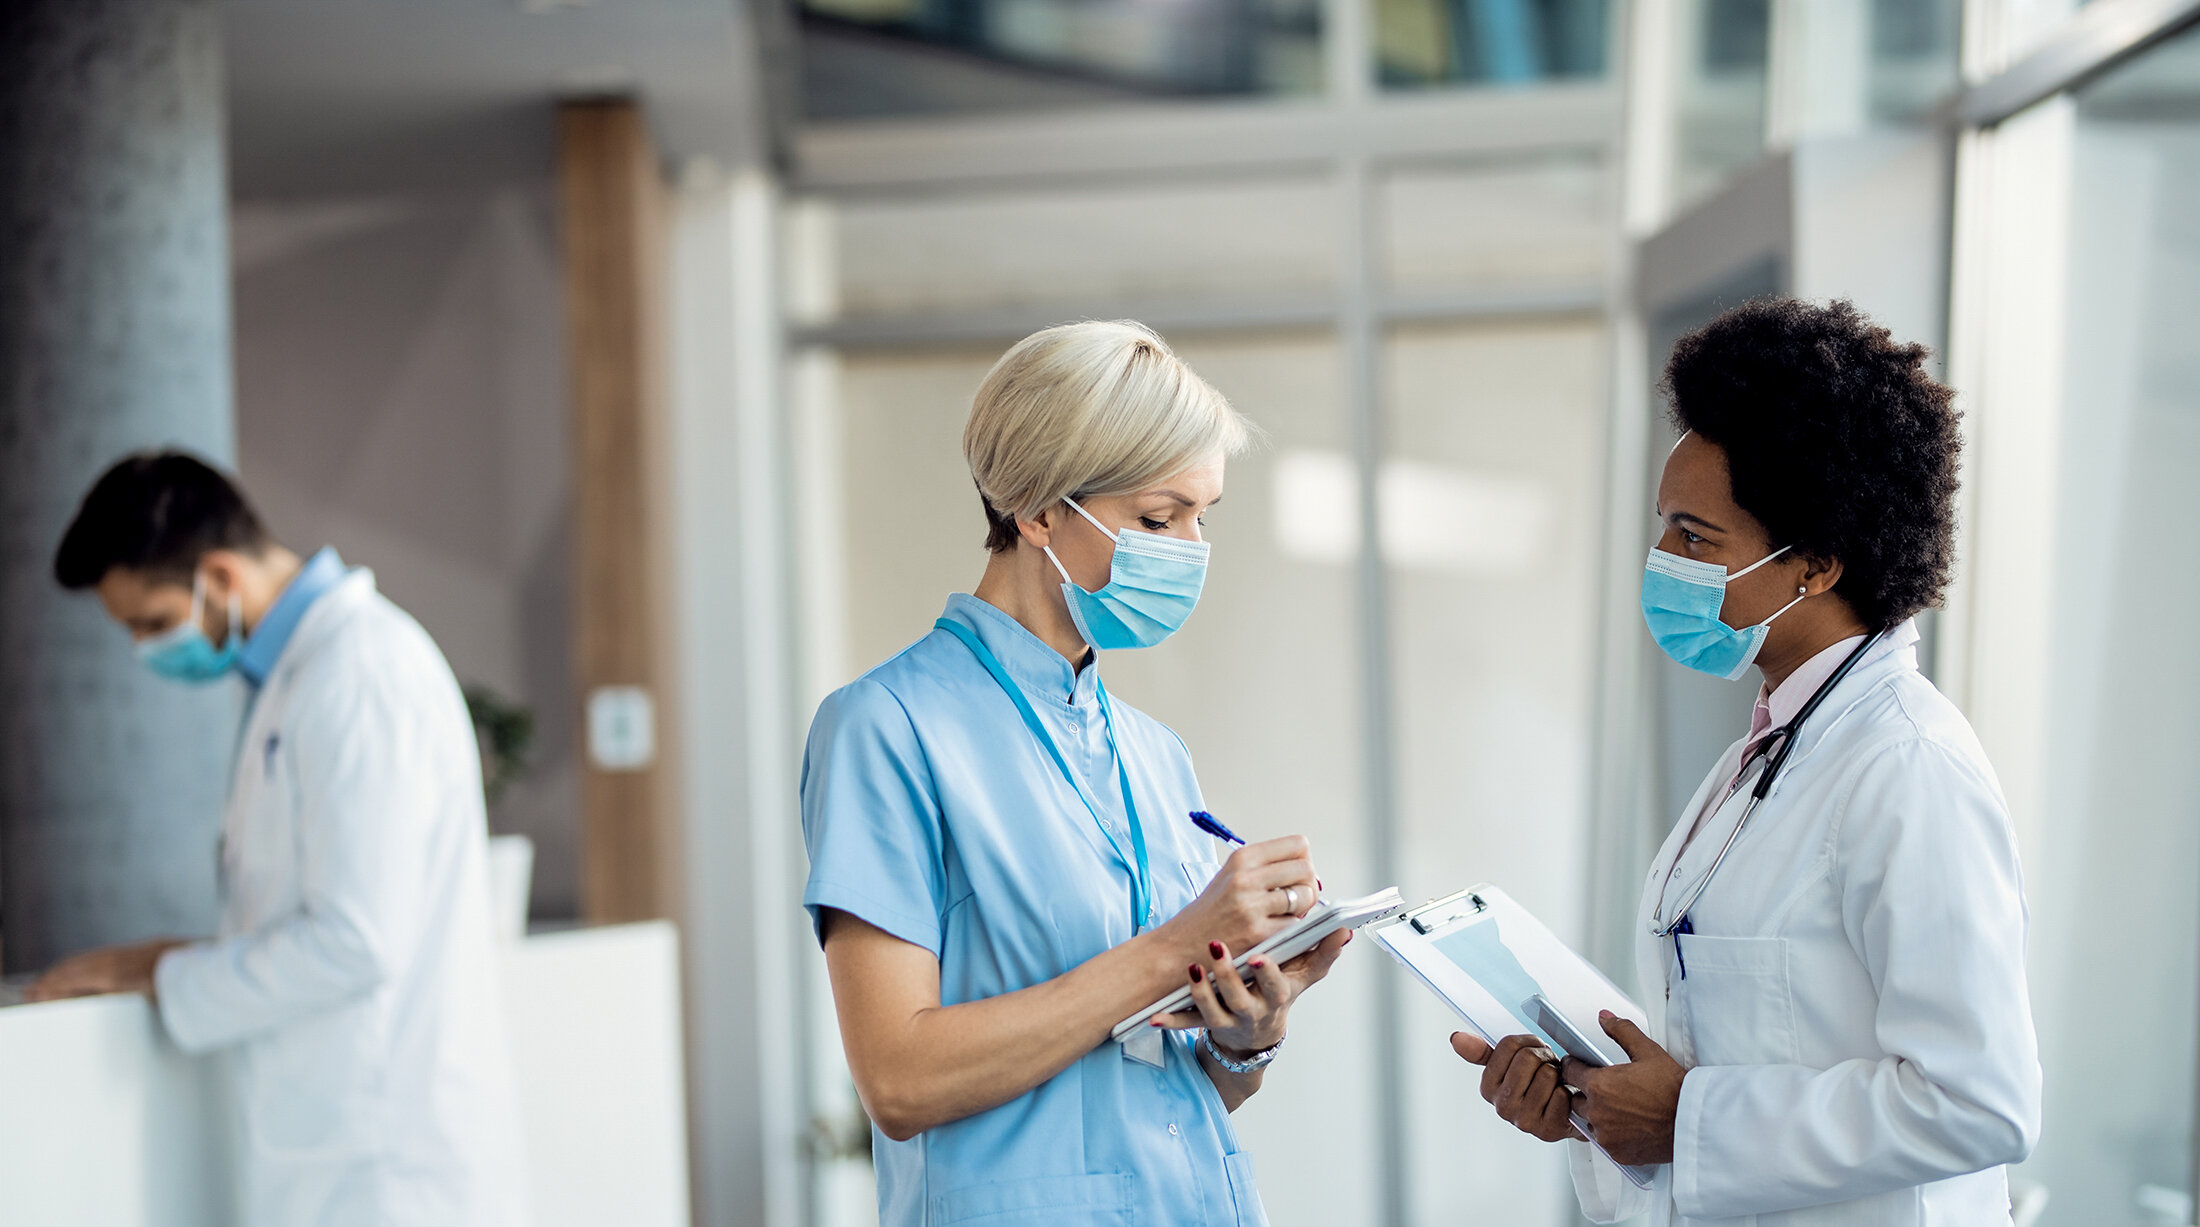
[506, 731]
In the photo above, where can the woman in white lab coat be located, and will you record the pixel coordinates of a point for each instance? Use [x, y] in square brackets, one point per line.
[1840, 1031]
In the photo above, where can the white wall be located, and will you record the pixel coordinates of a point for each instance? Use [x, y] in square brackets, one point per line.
[400, 374]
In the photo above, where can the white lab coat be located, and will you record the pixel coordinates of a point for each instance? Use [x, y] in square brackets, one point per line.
[1854, 1013]
[354, 982]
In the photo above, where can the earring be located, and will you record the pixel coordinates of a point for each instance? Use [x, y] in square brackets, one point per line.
[1802, 590]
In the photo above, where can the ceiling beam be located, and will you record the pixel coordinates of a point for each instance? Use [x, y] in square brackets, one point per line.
[1200, 138]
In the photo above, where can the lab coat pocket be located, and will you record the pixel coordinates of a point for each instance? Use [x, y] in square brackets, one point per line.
[1739, 1008]
[1102, 1200]
[1239, 1167]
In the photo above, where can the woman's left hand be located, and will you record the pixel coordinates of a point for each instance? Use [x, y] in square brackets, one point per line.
[1630, 1108]
[1242, 1019]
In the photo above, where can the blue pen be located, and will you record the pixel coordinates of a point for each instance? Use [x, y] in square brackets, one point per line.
[1206, 822]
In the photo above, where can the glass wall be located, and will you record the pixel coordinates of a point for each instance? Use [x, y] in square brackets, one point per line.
[2113, 856]
[864, 58]
[1186, 241]
[1724, 59]
[1746, 77]
[1913, 58]
[886, 57]
[1515, 225]
[1490, 42]
[1489, 507]
[1492, 506]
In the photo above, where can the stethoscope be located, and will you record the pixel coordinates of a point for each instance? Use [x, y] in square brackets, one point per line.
[1786, 735]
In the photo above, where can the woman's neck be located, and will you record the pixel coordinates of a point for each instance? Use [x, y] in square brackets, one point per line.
[1021, 583]
[1809, 635]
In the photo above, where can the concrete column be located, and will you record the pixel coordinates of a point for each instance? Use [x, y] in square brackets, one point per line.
[114, 336]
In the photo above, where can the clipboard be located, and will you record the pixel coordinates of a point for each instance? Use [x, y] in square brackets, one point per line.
[1505, 973]
[1324, 918]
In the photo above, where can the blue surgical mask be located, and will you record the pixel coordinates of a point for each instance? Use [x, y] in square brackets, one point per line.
[1681, 599]
[183, 653]
[1152, 586]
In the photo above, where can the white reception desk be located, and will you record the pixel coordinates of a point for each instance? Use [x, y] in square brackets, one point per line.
[103, 1122]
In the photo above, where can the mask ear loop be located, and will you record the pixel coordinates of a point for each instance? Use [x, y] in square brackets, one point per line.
[1050, 549]
[1802, 594]
[1760, 562]
[234, 632]
[1088, 517]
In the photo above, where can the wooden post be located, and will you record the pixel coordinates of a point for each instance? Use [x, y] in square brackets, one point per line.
[611, 198]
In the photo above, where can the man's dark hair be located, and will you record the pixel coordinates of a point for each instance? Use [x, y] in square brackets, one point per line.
[1836, 439]
[156, 513]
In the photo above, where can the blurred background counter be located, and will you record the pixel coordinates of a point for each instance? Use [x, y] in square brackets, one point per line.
[104, 1122]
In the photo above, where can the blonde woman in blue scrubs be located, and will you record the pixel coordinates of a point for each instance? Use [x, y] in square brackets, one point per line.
[1002, 864]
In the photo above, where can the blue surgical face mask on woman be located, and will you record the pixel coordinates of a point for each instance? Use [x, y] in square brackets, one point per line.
[1681, 599]
[183, 653]
[1152, 586]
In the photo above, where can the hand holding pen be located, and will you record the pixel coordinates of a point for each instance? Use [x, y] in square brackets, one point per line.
[1213, 826]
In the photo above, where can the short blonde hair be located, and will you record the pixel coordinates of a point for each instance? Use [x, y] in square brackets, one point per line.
[1095, 408]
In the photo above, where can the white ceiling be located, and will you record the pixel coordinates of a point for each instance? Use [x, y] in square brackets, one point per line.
[337, 97]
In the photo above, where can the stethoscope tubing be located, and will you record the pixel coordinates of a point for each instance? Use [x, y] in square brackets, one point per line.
[1786, 736]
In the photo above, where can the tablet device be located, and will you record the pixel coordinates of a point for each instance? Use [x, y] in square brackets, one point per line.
[1324, 918]
[1572, 1040]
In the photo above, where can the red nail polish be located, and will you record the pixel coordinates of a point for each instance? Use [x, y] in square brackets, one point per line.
[1257, 964]
[1194, 969]
[1214, 950]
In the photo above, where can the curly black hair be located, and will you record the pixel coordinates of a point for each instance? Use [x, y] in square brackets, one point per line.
[1836, 439]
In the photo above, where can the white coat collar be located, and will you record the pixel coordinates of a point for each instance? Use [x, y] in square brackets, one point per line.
[1869, 676]
[323, 619]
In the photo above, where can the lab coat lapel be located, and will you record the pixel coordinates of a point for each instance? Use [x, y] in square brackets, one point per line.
[1835, 711]
[1650, 951]
[249, 826]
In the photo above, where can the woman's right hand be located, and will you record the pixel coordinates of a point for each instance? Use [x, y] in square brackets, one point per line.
[1250, 898]
[1520, 1079]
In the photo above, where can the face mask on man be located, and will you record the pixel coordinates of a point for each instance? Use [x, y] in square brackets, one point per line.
[1681, 599]
[1153, 583]
[183, 653]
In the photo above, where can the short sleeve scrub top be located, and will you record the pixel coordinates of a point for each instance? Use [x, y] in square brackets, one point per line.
[931, 810]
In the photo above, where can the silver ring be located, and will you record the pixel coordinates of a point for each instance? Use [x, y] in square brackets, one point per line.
[1291, 900]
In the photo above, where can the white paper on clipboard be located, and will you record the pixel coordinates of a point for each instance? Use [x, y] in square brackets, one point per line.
[1497, 966]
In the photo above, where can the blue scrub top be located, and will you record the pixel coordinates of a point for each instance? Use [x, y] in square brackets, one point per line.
[931, 812]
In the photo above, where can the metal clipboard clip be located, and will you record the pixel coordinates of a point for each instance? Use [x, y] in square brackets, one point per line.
[1435, 914]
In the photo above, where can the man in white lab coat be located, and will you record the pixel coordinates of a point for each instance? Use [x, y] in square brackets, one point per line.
[353, 985]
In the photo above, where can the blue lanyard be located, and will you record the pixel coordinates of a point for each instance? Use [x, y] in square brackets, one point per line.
[1135, 860]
